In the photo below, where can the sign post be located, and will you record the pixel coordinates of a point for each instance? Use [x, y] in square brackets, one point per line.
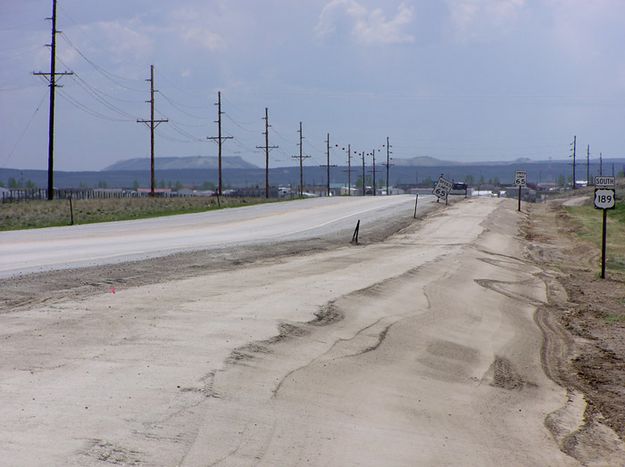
[605, 198]
[520, 180]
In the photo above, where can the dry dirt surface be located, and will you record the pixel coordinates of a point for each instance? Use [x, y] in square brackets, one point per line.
[421, 349]
[584, 320]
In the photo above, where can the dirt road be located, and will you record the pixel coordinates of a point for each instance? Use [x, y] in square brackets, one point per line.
[419, 350]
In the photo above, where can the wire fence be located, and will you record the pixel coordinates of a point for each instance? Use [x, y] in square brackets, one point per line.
[17, 195]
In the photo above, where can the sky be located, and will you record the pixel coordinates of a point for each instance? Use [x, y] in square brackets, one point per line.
[461, 80]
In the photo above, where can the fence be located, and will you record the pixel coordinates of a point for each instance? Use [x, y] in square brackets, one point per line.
[16, 195]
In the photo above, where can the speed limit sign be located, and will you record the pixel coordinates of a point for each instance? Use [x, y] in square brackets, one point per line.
[520, 178]
[605, 198]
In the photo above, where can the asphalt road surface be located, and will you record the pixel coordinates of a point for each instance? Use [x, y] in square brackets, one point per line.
[87, 245]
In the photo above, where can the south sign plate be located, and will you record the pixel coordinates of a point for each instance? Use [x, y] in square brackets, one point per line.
[604, 182]
[520, 178]
[605, 198]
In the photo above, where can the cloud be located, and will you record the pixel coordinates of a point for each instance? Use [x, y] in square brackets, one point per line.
[125, 40]
[367, 27]
[478, 19]
[191, 26]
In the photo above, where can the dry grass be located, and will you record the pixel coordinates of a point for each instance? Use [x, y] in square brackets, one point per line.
[36, 214]
[589, 225]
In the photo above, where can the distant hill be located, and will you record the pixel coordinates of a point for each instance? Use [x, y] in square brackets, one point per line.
[427, 161]
[180, 163]
[422, 161]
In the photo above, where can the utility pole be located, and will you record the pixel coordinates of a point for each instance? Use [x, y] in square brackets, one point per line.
[220, 139]
[51, 77]
[327, 164]
[364, 184]
[388, 163]
[152, 124]
[374, 187]
[588, 165]
[600, 164]
[266, 147]
[574, 144]
[349, 170]
[301, 158]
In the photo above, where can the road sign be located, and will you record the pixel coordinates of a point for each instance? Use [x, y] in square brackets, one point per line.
[604, 182]
[520, 178]
[442, 188]
[605, 198]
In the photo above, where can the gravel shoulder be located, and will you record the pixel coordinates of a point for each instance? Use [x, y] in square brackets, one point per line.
[584, 321]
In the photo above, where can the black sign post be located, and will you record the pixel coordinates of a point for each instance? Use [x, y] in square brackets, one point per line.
[605, 198]
[604, 236]
[520, 180]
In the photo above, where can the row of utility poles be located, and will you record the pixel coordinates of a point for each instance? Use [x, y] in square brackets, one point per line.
[152, 123]
[574, 163]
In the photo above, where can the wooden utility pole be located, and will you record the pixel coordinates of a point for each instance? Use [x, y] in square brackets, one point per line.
[588, 165]
[349, 170]
[364, 184]
[327, 165]
[388, 164]
[574, 153]
[51, 77]
[374, 186]
[600, 164]
[220, 139]
[266, 147]
[152, 124]
[301, 158]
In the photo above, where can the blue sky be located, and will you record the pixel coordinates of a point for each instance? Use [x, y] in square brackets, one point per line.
[465, 80]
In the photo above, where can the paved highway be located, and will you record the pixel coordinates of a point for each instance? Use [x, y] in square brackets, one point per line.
[39, 250]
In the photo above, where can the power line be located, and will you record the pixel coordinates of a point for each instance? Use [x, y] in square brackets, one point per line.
[107, 74]
[94, 113]
[178, 106]
[21, 136]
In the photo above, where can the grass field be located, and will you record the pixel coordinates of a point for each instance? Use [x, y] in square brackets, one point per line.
[590, 222]
[36, 214]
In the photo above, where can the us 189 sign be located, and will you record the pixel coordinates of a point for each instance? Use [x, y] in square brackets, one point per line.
[605, 198]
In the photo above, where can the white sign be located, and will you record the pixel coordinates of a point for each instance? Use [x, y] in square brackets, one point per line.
[604, 182]
[605, 198]
[520, 178]
[442, 188]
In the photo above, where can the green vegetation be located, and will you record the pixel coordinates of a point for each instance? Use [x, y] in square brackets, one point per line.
[614, 319]
[589, 224]
[36, 214]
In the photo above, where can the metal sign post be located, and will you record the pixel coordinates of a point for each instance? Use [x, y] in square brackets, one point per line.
[605, 198]
[520, 180]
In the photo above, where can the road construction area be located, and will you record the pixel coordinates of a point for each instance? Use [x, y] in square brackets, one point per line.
[417, 346]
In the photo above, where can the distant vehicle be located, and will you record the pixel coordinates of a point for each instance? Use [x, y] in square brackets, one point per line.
[459, 188]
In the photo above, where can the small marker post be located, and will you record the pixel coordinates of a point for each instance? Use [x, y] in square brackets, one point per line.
[416, 201]
[355, 235]
[71, 210]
